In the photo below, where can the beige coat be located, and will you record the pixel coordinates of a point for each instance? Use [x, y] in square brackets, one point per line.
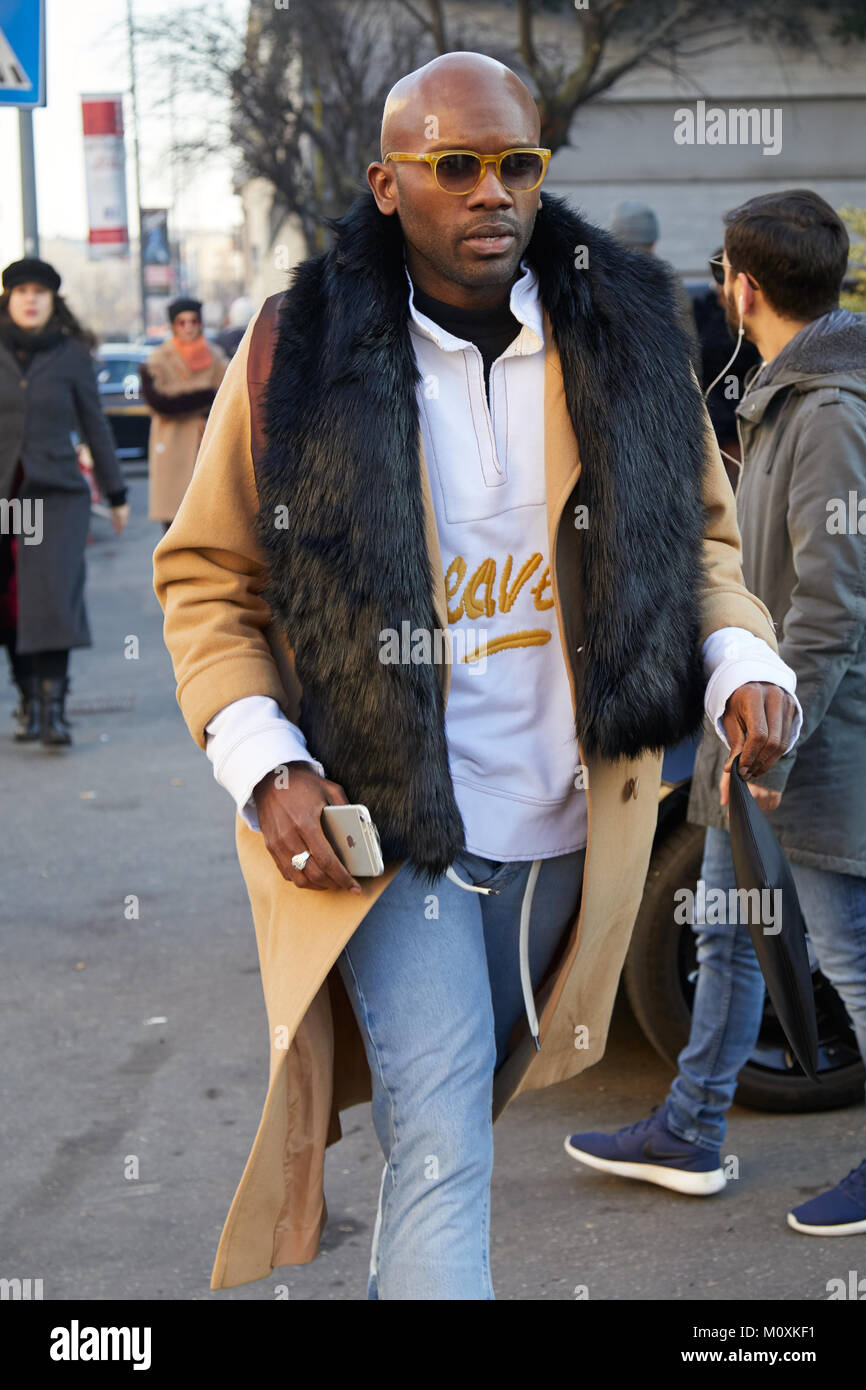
[175, 439]
[209, 574]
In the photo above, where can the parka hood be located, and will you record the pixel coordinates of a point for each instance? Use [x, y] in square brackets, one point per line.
[832, 360]
[835, 360]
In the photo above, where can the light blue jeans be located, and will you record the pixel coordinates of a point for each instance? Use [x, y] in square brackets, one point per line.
[433, 976]
[729, 998]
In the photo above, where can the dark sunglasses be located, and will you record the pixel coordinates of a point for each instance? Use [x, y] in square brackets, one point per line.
[717, 270]
[519, 170]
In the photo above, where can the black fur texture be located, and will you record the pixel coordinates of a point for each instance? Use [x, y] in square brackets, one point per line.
[343, 460]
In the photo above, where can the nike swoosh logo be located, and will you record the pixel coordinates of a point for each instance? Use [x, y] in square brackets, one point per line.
[656, 1155]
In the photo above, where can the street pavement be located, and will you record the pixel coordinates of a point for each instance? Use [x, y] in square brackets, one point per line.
[135, 1046]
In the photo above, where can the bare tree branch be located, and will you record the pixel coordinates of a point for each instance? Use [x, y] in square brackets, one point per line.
[684, 11]
[437, 19]
[298, 93]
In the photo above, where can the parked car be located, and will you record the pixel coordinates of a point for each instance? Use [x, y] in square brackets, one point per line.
[119, 383]
[661, 968]
[120, 391]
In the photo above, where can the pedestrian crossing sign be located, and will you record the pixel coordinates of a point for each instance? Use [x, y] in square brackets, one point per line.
[22, 53]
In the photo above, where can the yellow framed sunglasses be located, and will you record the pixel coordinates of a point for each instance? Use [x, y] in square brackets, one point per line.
[519, 169]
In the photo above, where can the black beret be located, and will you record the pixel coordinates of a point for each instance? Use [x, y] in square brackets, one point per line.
[183, 306]
[31, 271]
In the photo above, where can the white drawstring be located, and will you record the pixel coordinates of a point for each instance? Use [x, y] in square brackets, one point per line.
[461, 882]
[525, 976]
[525, 914]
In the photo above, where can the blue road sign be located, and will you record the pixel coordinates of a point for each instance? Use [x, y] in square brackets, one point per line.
[22, 52]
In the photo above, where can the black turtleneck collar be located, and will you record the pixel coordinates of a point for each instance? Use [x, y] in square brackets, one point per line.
[491, 330]
[439, 312]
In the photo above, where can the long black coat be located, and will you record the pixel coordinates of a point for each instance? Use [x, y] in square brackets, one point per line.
[41, 407]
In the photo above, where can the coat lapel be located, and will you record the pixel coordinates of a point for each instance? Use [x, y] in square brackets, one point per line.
[561, 453]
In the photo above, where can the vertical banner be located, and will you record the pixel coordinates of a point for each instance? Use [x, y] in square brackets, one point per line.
[105, 175]
[155, 249]
[157, 269]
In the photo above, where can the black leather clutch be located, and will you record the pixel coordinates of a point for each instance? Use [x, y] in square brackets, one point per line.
[776, 923]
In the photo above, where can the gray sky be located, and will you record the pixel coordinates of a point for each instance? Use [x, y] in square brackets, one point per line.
[87, 53]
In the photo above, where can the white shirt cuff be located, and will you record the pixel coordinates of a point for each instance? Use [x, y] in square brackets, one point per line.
[734, 656]
[246, 741]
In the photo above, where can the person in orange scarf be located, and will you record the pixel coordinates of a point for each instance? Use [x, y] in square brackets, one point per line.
[179, 382]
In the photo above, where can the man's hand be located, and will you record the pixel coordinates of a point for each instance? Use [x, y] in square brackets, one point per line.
[757, 719]
[291, 821]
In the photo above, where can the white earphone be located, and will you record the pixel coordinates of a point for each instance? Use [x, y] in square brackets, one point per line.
[733, 357]
[725, 368]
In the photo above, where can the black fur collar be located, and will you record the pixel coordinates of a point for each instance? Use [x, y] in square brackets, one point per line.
[341, 470]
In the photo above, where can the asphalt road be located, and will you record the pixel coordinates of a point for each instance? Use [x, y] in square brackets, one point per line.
[139, 1045]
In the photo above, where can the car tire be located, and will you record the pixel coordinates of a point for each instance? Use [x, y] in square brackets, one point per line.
[655, 978]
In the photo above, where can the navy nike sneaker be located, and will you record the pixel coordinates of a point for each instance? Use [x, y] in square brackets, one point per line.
[651, 1153]
[839, 1212]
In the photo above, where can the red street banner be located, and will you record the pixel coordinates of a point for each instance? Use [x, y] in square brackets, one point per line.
[105, 175]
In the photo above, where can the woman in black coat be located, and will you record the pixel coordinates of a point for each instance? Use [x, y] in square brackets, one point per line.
[48, 401]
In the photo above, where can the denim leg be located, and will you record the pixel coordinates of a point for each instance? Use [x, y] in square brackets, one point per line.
[416, 974]
[436, 997]
[726, 1017]
[834, 908]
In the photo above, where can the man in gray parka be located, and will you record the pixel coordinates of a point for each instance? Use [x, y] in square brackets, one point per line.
[801, 508]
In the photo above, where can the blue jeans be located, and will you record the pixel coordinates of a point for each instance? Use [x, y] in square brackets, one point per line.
[729, 998]
[433, 976]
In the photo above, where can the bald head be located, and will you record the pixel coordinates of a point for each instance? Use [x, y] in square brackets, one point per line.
[461, 247]
[444, 101]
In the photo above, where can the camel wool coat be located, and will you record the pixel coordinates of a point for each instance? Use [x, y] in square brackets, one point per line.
[210, 573]
[175, 438]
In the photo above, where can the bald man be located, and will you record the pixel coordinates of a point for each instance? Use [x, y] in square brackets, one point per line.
[477, 473]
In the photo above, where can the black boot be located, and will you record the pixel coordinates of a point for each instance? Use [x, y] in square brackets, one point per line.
[67, 724]
[28, 714]
[52, 729]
